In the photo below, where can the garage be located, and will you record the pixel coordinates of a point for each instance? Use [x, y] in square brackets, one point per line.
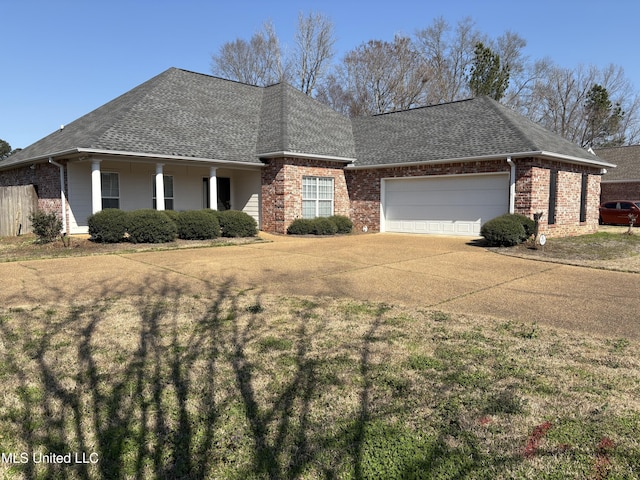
[445, 205]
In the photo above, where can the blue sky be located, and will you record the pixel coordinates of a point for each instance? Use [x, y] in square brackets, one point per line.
[63, 58]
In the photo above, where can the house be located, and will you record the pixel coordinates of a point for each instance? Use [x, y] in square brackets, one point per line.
[184, 140]
[623, 182]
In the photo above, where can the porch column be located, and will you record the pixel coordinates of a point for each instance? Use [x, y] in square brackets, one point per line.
[213, 189]
[159, 186]
[96, 187]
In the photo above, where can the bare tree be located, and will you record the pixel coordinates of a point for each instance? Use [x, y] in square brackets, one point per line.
[449, 53]
[384, 76]
[314, 41]
[256, 62]
[332, 92]
[560, 101]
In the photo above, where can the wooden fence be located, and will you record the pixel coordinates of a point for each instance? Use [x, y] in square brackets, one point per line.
[16, 203]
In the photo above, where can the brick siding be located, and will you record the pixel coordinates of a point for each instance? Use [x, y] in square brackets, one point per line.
[282, 190]
[364, 186]
[620, 191]
[532, 195]
[45, 177]
[357, 192]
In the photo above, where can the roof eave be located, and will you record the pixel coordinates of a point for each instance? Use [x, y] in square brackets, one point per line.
[123, 153]
[485, 158]
[314, 156]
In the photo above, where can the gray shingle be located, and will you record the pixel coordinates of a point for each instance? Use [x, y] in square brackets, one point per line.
[187, 114]
[626, 159]
[465, 129]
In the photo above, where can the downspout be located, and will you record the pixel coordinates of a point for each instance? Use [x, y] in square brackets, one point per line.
[63, 199]
[512, 186]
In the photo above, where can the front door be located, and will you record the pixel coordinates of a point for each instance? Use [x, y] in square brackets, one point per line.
[224, 193]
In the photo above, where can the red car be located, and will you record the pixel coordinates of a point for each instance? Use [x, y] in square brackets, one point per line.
[617, 212]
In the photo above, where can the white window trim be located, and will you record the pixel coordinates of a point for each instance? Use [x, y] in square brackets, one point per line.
[103, 196]
[317, 198]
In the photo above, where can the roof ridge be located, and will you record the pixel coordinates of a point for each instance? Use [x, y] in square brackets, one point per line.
[421, 107]
[216, 77]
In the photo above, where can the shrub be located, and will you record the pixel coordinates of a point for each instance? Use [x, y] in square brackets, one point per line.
[344, 224]
[527, 223]
[300, 226]
[320, 226]
[46, 226]
[234, 223]
[324, 226]
[108, 225]
[506, 230]
[197, 225]
[172, 214]
[151, 226]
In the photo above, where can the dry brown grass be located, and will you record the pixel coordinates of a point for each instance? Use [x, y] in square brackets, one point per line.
[610, 249]
[245, 385]
[26, 247]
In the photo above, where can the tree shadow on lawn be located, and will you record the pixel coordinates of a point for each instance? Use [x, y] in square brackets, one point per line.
[155, 392]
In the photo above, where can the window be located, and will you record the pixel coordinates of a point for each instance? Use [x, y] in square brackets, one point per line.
[553, 194]
[317, 197]
[168, 192]
[583, 198]
[110, 190]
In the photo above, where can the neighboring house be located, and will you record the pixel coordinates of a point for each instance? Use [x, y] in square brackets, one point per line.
[184, 140]
[623, 182]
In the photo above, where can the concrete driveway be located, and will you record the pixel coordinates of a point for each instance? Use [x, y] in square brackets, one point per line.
[444, 273]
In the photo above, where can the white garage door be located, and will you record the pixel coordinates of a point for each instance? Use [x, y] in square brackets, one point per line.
[446, 205]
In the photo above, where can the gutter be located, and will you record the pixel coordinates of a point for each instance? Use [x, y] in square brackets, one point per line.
[91, 151]
[63, 199]
[483, 158]
[286, 153]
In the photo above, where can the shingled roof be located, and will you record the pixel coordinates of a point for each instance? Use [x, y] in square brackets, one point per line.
[185, 115]
[474, 128]
[627, 160]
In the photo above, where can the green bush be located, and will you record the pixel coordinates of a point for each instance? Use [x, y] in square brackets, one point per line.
[108, 225]
[527, 223]
[172, 214]
[234, 223]
[344, 224]
[46, 226]
[301, 226]
[151, 226]
[504, 231]
[324, 226]
[320, 226]
[197, 225]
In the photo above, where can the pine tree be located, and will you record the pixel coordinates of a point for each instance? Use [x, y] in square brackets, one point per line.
[603, 119]
[487, 76]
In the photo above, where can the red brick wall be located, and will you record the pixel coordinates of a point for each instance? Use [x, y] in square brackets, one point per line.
[282, 190]
[532, 195]
[620, 191]
[364, 186]
[46, 179]
[357, 192]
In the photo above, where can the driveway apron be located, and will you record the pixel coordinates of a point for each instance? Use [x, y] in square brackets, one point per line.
[428, 272]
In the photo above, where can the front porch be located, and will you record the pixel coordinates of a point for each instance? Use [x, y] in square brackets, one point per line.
[95, 184]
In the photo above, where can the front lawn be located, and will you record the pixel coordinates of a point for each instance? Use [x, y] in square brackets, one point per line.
[611, 249]
[242, 385]
[26, 247]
